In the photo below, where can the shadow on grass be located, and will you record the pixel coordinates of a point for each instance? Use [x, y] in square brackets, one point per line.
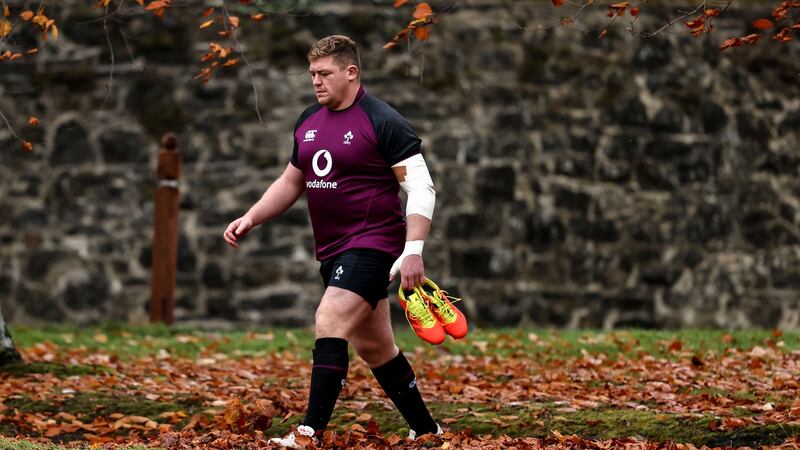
[541, 419]
[57, 369]
[87, 406]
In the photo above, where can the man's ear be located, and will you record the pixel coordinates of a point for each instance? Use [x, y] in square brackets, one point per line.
[352, 72]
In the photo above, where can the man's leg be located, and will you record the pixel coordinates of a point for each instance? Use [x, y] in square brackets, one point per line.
[338, 314]
[374, 342]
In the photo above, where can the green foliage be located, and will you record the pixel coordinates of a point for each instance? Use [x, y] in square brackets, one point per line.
[131, 342]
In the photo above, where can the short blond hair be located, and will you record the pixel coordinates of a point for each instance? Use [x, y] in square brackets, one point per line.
[343, 50]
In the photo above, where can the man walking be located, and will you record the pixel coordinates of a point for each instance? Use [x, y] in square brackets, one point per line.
[352, 153]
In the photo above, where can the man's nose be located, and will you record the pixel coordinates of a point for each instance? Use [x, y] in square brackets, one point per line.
[316, 79]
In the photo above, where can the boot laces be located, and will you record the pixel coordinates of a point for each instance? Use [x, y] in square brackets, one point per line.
[417, 309]
[438, 297]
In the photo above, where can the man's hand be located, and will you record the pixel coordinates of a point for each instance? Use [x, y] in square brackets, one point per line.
[409, 264]
[238, 228]
[412, 272]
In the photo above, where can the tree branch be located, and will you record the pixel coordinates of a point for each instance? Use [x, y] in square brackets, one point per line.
[244, 58]
[130, 51]
[113, 61]
[700, 7]
[10, 128]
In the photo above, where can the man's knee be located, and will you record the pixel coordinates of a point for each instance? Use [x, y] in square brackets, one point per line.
[375, 353]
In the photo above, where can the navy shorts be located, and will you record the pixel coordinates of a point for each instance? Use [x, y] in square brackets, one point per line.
[363, 271]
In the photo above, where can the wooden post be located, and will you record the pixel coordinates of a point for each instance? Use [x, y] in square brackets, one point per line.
[165, 234]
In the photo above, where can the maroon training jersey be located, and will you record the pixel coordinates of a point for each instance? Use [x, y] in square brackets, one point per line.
[346, 158]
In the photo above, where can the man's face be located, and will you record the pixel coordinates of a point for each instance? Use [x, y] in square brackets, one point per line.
[331, 81]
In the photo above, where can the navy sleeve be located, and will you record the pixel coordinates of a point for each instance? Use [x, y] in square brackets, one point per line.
[396, 138]
[305, 115]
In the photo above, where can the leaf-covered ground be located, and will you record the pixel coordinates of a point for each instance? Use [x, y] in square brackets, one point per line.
[156, 387]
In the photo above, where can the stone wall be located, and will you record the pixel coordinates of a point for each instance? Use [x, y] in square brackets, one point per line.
[582, 182]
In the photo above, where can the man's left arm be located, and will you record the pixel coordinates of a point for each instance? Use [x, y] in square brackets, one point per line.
[415, 179]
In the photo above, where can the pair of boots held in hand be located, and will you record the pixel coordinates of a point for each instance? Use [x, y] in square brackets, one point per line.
[431, 313]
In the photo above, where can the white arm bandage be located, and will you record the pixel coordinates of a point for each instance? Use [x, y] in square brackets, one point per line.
[412, 248]
[416, 181]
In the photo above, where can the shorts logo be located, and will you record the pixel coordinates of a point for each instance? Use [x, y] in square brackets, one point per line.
[310, 135]
[412, 384]
[339, 272]
[322, 171]
[348, 137]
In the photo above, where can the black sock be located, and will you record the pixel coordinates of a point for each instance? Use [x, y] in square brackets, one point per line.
[398, 381]
[327, 379]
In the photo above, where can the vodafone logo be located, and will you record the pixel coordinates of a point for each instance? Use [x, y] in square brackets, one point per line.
[322, 168]
[315, 163]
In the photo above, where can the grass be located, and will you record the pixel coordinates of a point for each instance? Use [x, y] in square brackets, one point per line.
[132, 342]
[86, 406]
[11, 444]
[540, 419]
[530, 419]
[127, 342]
[605, 423]
[59, 370]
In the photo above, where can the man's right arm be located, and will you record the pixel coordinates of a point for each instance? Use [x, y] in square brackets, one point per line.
[279, 197]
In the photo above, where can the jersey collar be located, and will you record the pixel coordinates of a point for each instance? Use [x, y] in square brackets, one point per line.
[361, 92]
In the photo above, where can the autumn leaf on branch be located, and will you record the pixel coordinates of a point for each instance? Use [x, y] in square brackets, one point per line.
[227, 26]
[784, 36]
[779, 14]
[158, 7]
[5, 28]
[423, 18]
[617, 9]
[782, 11]
[763, 24]
[738, 42]
[157, 4]
[698, 21]
[37, 21]
[702, 23]
[220, 51]
[422, 11]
